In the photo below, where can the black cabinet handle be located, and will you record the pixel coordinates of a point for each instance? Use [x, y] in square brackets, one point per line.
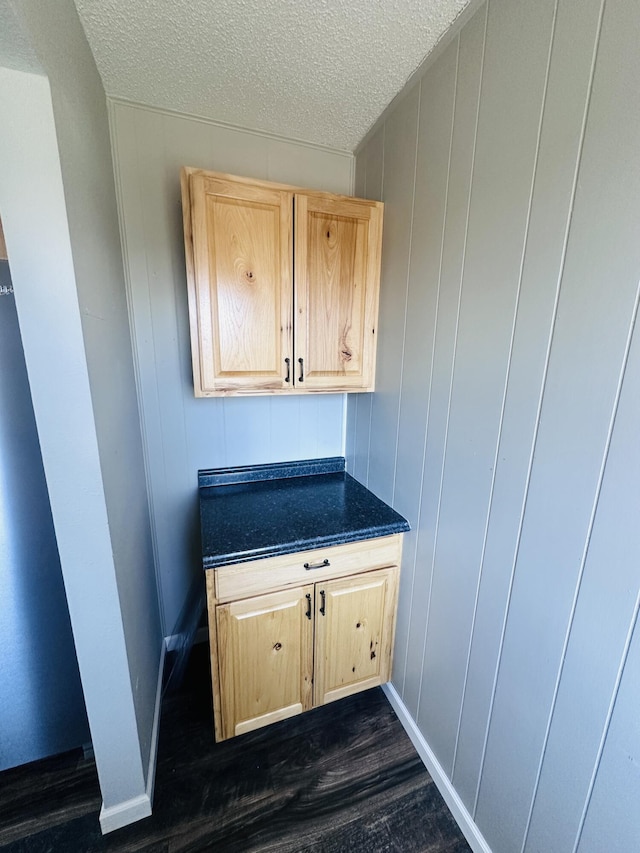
[308, 613]
[287, 378]
[301, 363]
[317, 565]
[322, 602]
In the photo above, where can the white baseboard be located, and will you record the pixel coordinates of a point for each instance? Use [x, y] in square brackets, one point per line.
[451, 797]
[122, 814]
[155, 729]
[173, 641]
[125, 813]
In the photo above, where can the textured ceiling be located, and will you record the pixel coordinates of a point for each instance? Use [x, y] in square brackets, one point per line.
[315, 70]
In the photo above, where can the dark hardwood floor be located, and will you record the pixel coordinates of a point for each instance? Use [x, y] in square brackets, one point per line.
[341, 778]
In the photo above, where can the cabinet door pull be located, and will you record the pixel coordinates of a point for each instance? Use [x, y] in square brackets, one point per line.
[287, 378]
[322, 602]
[308, 613]
[318, 565]
[301, 363]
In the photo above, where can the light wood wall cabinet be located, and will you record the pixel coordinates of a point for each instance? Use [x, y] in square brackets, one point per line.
[270, 313]
[3, 245]
[287, 650]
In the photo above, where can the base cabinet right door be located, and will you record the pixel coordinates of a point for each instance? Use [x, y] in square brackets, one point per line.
[354, 634]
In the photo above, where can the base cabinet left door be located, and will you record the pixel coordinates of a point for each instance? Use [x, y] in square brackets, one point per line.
[265, 648]
[282, 653]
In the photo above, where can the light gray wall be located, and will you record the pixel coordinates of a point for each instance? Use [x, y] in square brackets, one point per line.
[72, 306]
[82, 128]
[34, 215]
[505, 425]
[16, 50]
[182, 433]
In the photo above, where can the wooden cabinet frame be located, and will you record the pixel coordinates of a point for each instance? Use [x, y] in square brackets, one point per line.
[258, 328]
[3, 245]
[342, 617]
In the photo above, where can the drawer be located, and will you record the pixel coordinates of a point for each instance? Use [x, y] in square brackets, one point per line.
[243, 580]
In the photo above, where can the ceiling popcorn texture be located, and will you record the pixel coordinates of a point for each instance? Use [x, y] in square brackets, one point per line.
[315, 70]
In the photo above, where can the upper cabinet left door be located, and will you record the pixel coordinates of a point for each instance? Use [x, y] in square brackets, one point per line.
[239, 258]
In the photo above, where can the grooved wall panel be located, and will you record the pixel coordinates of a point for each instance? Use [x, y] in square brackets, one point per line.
[182, 434]
[603, 249]
[398, 176]
[469, 52]
[516, 452]
[586, 359]
[614, 802]
[359, 190]
[369, 173]
[434, 143]
[549, 219]
[468, 427]
[605, 610]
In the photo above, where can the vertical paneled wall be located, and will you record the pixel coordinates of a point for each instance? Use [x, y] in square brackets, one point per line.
[181, 433]
[505, 424]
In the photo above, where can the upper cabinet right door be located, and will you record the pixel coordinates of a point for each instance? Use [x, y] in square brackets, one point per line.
[337, 280]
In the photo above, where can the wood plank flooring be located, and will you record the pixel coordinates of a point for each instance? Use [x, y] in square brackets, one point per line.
[341, 778]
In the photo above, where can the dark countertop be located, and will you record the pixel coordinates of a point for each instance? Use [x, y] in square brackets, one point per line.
[265, 510]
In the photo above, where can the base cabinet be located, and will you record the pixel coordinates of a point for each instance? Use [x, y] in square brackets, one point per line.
[280, 653]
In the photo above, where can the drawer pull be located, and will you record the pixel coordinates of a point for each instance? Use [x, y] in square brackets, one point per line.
[308, 613]
[319, 565]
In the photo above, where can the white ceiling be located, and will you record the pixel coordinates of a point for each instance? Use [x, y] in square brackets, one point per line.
[314, 70]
